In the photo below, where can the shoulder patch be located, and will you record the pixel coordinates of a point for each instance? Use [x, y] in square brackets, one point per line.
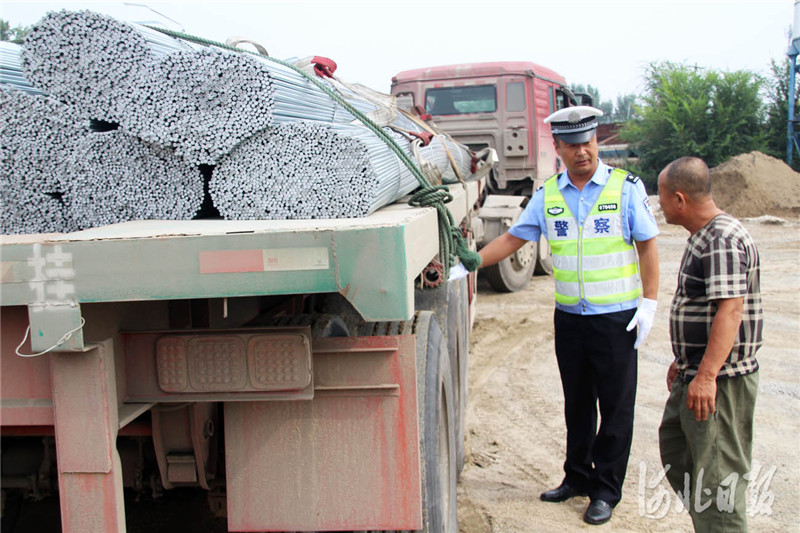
[648, 207]
[632, 178]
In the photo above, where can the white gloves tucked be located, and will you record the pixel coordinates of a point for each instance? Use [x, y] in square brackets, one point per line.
[644, 319]
[457, 272]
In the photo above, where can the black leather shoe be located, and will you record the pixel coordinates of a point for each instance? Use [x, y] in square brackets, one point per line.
[598, 512]
[561, 493]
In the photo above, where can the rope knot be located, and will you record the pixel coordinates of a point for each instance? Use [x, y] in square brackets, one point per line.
[431, 196]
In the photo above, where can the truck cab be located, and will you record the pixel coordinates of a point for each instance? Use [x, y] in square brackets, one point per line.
[499, 105]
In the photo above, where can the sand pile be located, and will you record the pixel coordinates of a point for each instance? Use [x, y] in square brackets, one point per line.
[755, 184]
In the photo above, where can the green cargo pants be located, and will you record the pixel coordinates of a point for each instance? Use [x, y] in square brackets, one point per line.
[715, 453]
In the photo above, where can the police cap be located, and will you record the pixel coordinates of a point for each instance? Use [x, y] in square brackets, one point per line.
[574, 125]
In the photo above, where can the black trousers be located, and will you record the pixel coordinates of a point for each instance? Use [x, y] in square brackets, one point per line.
[598, 366]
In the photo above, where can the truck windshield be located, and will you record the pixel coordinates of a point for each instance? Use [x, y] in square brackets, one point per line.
[461, 100]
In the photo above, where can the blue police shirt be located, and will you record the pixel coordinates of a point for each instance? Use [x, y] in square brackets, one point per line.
[641, 224]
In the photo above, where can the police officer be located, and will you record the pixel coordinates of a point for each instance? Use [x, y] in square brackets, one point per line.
[602, 237]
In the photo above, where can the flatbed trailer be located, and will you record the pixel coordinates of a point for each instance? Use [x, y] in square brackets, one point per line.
[310, 375]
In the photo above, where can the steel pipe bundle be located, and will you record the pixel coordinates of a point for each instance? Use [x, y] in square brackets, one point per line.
[202, 103]
[305, 170]
[37, 135]
[115, 177]
[89, 60]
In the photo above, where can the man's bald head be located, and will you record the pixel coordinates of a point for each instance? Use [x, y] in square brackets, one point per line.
[690, 176]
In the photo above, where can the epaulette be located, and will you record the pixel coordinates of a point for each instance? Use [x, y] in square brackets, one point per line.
[632, 178]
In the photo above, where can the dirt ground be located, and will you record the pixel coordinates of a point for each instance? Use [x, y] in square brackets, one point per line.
[515, 425]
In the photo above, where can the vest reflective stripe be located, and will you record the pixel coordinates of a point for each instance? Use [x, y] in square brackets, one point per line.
[599, 291]
[592, 261]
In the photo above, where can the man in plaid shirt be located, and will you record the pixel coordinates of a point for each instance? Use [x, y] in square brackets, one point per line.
[716, 321]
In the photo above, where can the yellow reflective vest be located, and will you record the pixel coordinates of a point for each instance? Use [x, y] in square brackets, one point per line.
[592, 261]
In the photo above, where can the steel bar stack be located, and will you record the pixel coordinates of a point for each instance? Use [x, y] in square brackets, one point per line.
[37, 135]
[304, 170]
[11, 75]
[271, 144]
[114, 177]
[201, 102]
[90, 60]
[437, 153]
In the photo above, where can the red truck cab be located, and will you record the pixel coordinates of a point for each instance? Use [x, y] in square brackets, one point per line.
[500, 105]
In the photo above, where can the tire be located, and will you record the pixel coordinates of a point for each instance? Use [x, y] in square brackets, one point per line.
[437, 428]
[458, 347]
[12, 507]
[544, 259]
[322, 325]
[514, 272]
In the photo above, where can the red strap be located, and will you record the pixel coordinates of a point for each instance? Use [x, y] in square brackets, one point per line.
[474, 162]
[425, 136]
[420, 111]
[324, 67]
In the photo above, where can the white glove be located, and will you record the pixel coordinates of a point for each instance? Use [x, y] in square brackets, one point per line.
[457, 272]
[644, 319]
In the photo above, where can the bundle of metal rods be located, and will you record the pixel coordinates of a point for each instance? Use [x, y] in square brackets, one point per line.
[37, 135]
[272, 143]
[89, 60]
[202, 103]
[114, 177]
[11, 75]
[445, 154]
[296, 98]
[304, 170]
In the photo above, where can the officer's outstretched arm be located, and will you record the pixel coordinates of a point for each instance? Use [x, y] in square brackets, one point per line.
[500, 248]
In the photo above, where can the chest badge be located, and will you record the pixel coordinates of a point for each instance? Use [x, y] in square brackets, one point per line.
[607, 207]
[555, 210]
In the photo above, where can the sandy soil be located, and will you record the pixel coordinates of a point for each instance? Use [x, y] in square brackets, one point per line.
[515, 427]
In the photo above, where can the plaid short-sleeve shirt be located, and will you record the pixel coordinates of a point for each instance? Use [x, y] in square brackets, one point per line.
[720, 262]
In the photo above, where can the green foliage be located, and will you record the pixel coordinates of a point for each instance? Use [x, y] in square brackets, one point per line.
[777, 97]
[14, 35]
[690, 111]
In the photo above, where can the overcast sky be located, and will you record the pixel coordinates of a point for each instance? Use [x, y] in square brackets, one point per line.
[607, 44]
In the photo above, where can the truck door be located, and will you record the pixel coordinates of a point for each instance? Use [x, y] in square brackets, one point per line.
[519, 133]
[548, 100]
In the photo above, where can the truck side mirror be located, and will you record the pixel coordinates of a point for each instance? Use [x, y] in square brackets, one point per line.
[584, 99]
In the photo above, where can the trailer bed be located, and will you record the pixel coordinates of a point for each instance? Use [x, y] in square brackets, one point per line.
[372, 261]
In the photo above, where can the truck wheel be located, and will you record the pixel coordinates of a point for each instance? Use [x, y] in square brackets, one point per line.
[458, 347]
[437, 431]
[514, 272]
[322, 325]
[544, 259]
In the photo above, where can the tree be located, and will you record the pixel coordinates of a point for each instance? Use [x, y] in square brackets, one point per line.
[14, 35]
[691, 111]
[777, 97]
[625, 108]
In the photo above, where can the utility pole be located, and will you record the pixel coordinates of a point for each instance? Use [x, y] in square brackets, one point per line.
[794, 50]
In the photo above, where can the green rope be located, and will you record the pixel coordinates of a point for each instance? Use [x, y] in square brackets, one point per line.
[450, 238]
